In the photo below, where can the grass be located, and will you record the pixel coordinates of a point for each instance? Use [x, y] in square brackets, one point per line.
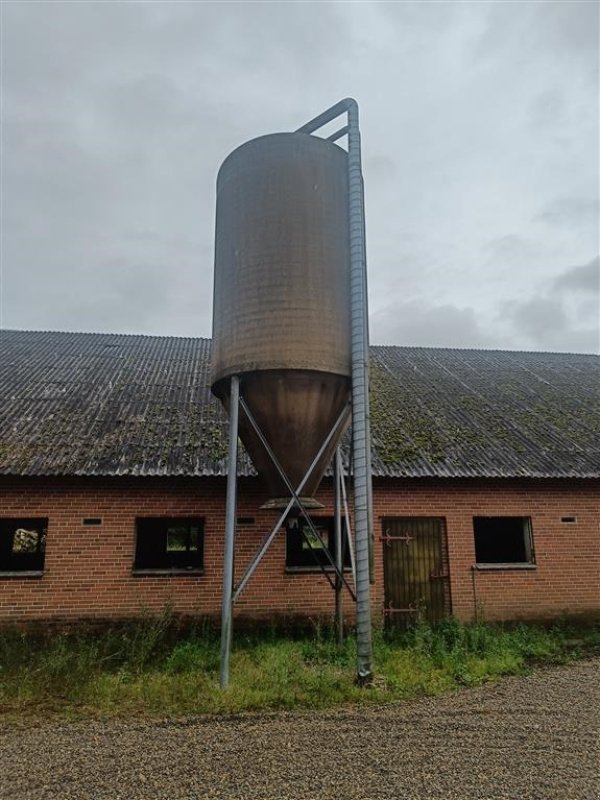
[146, 668]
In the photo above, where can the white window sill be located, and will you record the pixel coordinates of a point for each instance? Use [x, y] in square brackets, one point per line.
[486, 567]
[315, 569]
[22, 573]
[140, 573]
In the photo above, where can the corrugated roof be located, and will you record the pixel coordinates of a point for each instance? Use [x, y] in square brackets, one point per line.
[110, 404]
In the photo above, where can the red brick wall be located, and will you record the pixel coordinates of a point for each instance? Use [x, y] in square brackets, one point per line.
[88, 570]
[566, 577]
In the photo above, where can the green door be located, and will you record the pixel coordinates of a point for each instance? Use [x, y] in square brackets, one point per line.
[415, 565]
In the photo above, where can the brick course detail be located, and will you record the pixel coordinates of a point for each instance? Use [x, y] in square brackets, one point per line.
[89, 574]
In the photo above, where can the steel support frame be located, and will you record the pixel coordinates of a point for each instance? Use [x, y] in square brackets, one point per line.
[295, 499]
[230, 523]
[339, 553]
[231, 592]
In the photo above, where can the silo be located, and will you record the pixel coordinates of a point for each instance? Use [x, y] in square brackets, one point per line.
[290, 341]
[281, 313]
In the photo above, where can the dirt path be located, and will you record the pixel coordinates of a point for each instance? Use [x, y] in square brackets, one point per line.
[535, 737]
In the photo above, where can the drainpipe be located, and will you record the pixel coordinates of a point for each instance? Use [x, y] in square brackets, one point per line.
[475, 603]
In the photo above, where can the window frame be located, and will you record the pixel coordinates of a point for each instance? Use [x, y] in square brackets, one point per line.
[528, 544]
[35, 563]
[158, 526]
[310, 565]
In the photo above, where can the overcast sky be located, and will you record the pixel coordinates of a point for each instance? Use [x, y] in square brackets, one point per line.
[480, 154]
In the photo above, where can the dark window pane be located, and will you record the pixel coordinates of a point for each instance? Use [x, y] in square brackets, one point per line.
[169, 543]
[303, 548]
[22, 544]
[503, 540]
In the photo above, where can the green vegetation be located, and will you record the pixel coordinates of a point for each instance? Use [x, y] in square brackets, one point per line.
[399, 431]
[147, 668]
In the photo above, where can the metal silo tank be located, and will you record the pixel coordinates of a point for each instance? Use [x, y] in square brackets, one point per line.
[281, 313]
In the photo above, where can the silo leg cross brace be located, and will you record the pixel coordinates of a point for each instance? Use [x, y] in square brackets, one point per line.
[296, 499]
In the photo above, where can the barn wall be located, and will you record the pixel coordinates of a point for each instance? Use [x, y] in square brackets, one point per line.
[564, 581]
[88, 570]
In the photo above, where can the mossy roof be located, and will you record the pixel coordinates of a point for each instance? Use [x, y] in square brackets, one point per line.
[110, 404]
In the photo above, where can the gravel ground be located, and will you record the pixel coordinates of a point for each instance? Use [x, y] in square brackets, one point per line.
[535, 737]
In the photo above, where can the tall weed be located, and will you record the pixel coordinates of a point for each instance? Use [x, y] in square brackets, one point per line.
[147, 667]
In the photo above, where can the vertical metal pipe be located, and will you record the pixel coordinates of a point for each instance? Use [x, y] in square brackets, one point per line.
[348, 528]
[339, 552]
[361, 445]
[475, 601]
[368, 417]
[230, 514]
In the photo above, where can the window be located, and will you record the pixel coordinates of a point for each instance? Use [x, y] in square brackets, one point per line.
[306, 551]
[22, 545]
[503, 540]
[169, 543]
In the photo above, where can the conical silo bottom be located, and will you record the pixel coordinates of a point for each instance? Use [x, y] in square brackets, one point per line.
[295, 410]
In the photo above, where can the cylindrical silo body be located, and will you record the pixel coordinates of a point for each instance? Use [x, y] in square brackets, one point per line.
[281, 314]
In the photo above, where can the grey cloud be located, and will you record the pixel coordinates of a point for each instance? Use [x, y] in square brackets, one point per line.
[571, 211]
[540, 317]
[572, 26]
[582, 278]
[64, 40]
[548, 107]
[567, 29]
[380, 167]
[545, 323]
[419, 323]
[420, 18]
[511, 247]
[554, 319]
[117, 116]
[118, 295]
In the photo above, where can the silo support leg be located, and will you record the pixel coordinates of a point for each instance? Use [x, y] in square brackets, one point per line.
[230, 520]
[339, 553]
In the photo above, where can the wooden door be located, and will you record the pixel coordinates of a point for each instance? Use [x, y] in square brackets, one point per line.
[415, 564]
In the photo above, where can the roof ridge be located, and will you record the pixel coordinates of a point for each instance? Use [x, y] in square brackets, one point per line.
[401, 347]
[437, 348]
[108, 333]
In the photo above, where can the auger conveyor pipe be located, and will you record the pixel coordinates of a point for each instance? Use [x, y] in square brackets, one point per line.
[361, 438]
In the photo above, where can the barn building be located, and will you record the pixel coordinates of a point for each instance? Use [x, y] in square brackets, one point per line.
[486, 479]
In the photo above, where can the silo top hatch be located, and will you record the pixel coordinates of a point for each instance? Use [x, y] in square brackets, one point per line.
[281, 294]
